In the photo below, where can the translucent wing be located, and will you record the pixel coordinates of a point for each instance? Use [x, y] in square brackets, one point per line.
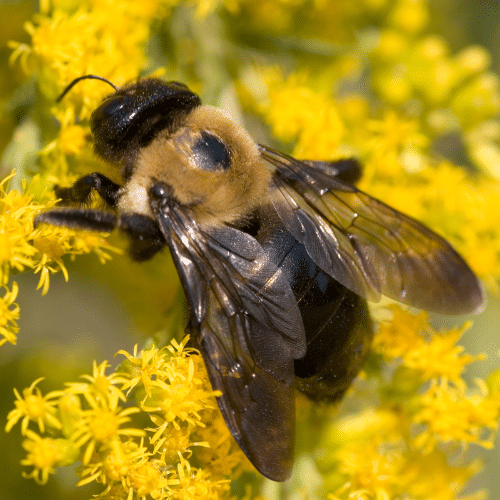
[249, 330]
[367, 246]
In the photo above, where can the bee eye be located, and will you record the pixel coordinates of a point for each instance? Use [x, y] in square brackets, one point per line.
[109, 108]
[210, 153]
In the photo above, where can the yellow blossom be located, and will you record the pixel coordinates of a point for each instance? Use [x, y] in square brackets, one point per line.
[473, 59]
[90, 33]
[41, 249]
[149, 478]
[44, 454]
[219, 453]
[429, 353]
[373, 465]
[391, 45]
[171, 441]
[70, 411]
[478, 100]
[451, 414]
[73, 139]
[101, 386]
[295, 111]
[9, 314]
[143, 368]
[114, 462]
[402, 333]
[101, 424]
[410, 15]
[393, 132]
[196, 483]
[178, 388]
[32, 406]
[92, 429]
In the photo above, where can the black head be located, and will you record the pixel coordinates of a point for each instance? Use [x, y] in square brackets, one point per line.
[130, 118]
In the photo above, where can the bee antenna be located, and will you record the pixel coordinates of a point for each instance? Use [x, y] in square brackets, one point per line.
[85, 77]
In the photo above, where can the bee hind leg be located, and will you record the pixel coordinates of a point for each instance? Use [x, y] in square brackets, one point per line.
[78, 218]
[145, 236]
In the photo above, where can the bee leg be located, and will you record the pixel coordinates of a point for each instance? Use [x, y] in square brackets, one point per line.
[78, 218]
[79, 193]
[347, 169]
[145, 236]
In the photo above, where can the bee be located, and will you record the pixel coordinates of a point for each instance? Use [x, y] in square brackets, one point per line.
[277, 257]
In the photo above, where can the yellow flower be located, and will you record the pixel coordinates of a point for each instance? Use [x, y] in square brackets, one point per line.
[178, 389]
[451, 414]
[477, 100]
[393, 133]
[171, 441]
[410, 15]
[16, 230]
[376, 467]
[101, 387]
[41, 249]
[150, 478]
[32, 406]
[9, 314]
[59, 62]
[92, 428]
[101, 424]
[219, 452]
[114, 462]
[196, 483]
[472, 60]
[428, 353]
[372, 457]
[70, 411]
[143, 368]
[401, 334]
[44, 454]
[53, 242]
[297, 112]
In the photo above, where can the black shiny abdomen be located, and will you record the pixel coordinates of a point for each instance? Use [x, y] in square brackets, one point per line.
[336, 320]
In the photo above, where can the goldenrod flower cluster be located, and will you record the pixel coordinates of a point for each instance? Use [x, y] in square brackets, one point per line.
[22, 246]
[425, 414]
[321, 80]
[93, 422]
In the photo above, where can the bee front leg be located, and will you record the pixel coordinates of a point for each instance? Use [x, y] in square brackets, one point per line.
[79, 193]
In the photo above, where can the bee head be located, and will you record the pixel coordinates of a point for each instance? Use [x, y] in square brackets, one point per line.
[131, 117]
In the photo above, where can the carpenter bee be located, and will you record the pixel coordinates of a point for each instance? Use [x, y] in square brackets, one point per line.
[276, 256]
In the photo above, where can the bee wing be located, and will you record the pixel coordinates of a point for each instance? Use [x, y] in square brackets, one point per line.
[249, 330]
[367, 246]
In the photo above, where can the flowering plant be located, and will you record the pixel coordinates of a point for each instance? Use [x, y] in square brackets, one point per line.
[392, 95]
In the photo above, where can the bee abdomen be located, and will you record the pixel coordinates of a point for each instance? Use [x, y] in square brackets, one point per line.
[336, 321]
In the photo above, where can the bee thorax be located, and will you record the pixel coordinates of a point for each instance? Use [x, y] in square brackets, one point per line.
[134, 198]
